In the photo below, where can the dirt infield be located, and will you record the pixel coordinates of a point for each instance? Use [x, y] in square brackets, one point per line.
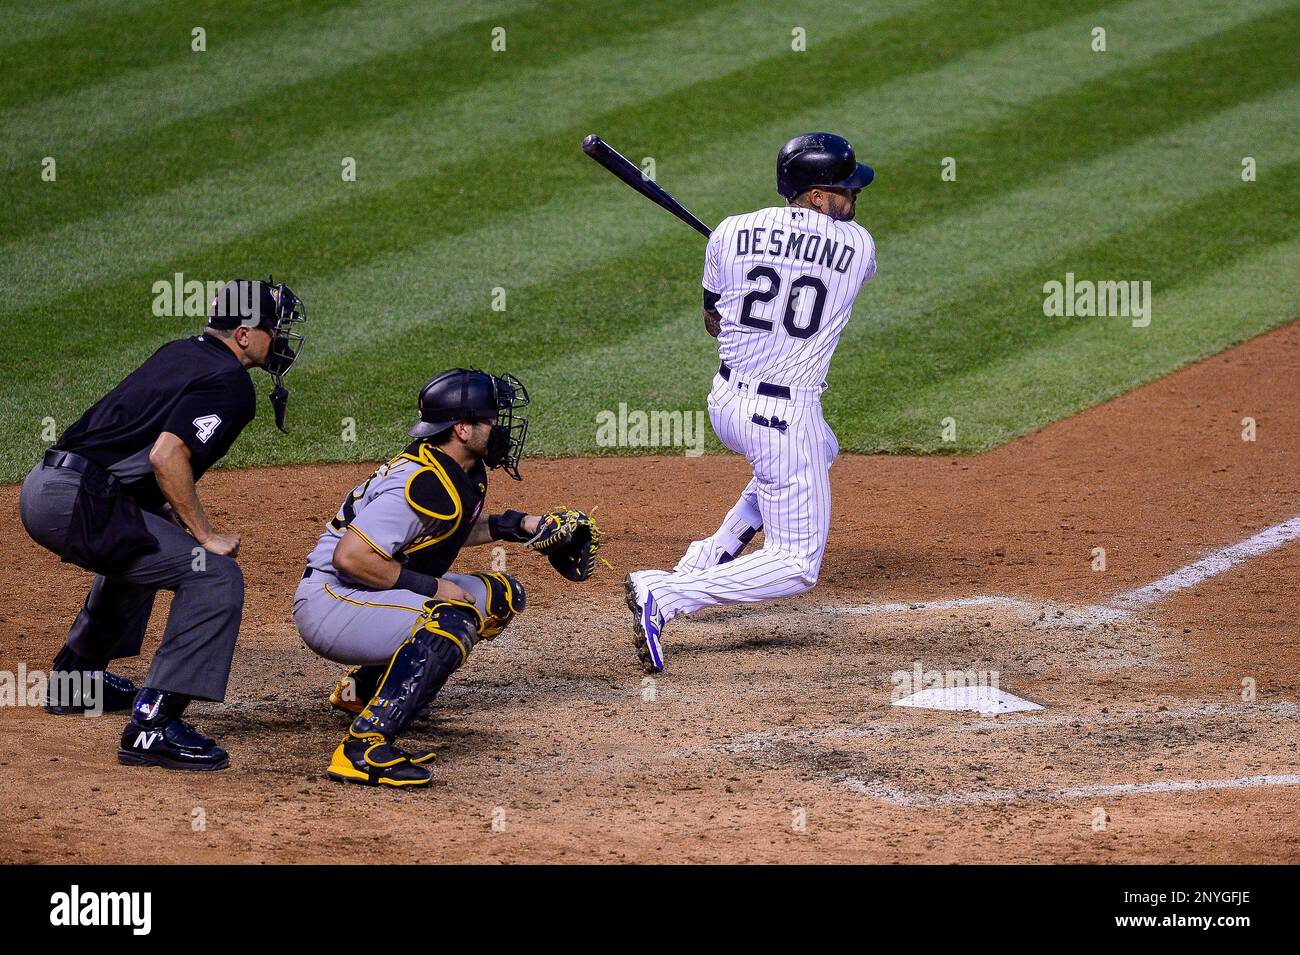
[771, 736]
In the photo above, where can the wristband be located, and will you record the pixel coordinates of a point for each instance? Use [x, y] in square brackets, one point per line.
[508, 527]
[416, 582]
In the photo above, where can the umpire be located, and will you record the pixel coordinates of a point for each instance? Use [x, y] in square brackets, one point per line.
[115, 495]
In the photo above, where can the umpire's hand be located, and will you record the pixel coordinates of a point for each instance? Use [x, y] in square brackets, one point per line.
[227, 545]
[170, 459]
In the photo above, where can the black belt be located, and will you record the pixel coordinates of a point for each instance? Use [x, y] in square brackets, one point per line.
[764, 389]
[66, 459]
[306, 573]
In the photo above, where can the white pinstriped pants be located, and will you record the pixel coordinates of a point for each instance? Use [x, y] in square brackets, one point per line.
[788, 499]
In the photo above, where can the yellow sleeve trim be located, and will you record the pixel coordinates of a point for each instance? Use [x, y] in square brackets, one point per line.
[377, 549]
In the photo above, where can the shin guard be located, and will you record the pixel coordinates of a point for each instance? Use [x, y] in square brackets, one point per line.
[439, 643]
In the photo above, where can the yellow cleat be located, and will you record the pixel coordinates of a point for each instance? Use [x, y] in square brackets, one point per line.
[344, 696]
[376, 762]
[355, 689]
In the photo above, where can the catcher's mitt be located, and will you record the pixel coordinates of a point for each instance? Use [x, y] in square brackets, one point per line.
[570, 540]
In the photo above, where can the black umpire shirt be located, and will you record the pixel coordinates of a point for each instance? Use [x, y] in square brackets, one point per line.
[194, 387]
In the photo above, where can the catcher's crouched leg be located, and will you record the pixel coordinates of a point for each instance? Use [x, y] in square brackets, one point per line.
[499, 598]
[439, 643]
[355, 688]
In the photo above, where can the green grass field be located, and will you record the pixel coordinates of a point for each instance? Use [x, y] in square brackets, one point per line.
[1116, 165]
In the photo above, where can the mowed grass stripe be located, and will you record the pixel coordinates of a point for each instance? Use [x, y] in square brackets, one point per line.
[329, 95]
[988, 357]
[602, 320]
[25, 22]
[304, 177]
[667, 362]
[389, 217]
[146, 104]
[1248, 47]
[347, 99]
[1103, 197]
[1072, 372]
[583, 223]
[135, 38]
[986, 74]
[96, 358]
[922, 271]
[625, 295]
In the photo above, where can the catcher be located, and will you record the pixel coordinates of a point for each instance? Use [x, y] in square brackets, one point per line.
[377, 592]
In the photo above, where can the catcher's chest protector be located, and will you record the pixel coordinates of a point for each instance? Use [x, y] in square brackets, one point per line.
[417, 508]
[435, 493]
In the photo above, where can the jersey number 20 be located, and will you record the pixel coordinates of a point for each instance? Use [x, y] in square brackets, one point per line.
[795, 294]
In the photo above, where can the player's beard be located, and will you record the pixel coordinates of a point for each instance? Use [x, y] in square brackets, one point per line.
[478, 443]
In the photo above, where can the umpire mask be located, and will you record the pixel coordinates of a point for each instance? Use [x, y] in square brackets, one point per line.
[275, 309]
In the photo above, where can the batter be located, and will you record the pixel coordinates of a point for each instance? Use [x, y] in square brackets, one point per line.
[779, 287]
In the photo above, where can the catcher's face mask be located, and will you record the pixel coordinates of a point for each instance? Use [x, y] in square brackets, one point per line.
[286, 345]
[505, 444]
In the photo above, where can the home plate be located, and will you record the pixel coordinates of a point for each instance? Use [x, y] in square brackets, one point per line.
[967, 699]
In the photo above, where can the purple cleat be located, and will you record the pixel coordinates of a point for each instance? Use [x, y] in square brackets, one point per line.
[647, 625]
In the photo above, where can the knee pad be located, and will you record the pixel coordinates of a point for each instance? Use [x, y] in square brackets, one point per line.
[505, 600]
[439, 643]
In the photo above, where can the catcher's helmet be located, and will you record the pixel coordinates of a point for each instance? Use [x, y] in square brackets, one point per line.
[464, 394]
[819, 159]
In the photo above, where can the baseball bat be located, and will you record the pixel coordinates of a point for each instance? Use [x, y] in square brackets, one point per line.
[611, 159]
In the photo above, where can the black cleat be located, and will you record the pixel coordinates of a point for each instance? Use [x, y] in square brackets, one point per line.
[77, 692]
[376, 762]
[173, 744]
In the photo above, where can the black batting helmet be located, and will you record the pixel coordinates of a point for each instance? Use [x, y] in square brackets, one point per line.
[465, 394]
[819, 159]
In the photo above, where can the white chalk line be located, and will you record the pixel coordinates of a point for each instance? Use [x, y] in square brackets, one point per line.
[1118, 607]
[1209, 566]
[758, 741]
[900, 797]
[1007, 603]
[755, 742]
[1122, 604]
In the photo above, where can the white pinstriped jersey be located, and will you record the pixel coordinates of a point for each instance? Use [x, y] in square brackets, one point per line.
[787, 278]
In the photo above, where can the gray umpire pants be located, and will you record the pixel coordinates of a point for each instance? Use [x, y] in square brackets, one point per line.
[199, 640]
